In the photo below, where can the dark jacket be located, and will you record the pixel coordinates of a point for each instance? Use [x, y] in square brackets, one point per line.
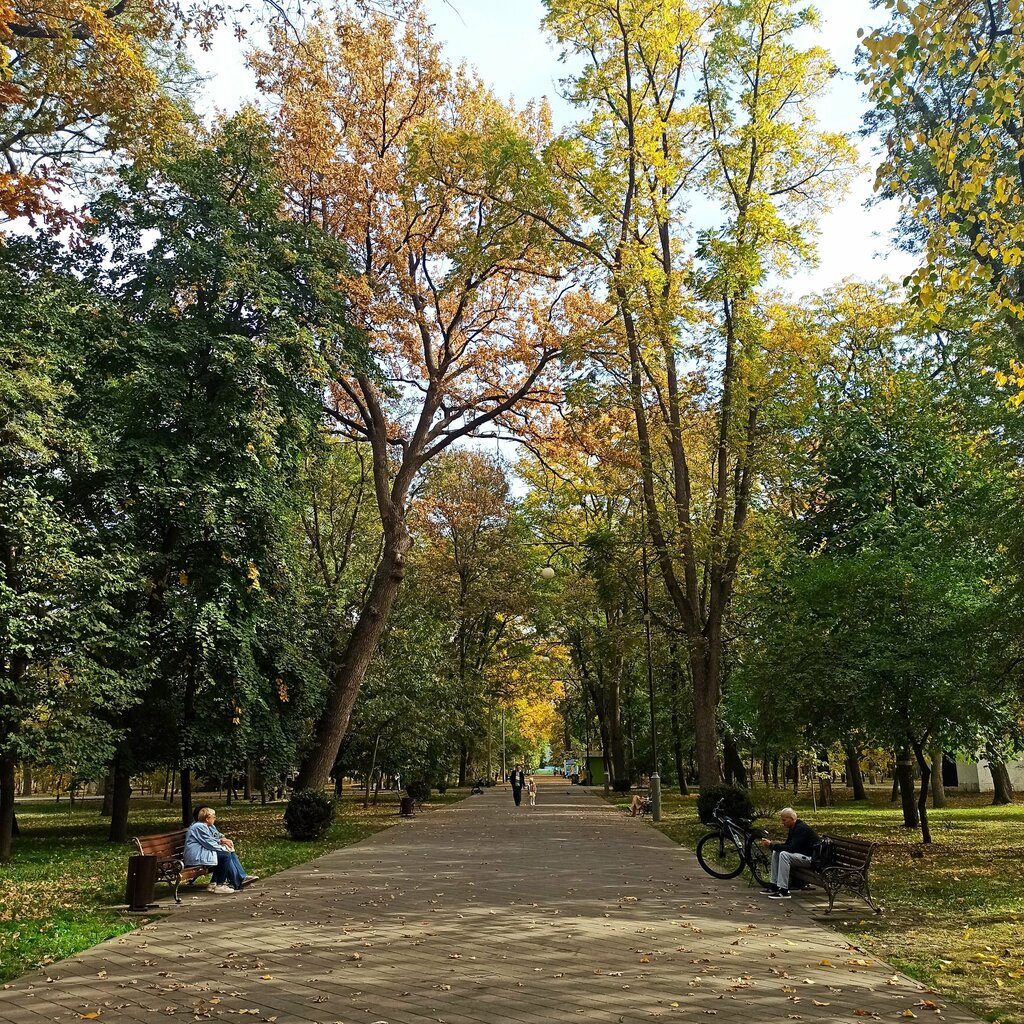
[801, 839]
[517, 779]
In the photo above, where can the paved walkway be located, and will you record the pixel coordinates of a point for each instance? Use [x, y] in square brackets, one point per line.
[482, 914]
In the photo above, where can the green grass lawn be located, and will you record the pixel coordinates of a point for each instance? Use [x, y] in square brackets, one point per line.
[953, 918]
[61, 892]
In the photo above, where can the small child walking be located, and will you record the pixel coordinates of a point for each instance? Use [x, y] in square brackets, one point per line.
[531, 788]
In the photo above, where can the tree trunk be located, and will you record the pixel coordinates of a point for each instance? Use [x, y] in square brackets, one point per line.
[895, 788]
[735, 772]
[616, 735]
[853, 772]
[705, 716]
[185, 785]
[26, 779]
[107, 806]
[796, 774]
[938, 790]
[823, 771]
[6, 807]
[121, 798]
[922, 799]
[463, 762]
[369, 774]
[677, 739]
[362, 645]
[905, 778]
[1002, 788]
[250, 779]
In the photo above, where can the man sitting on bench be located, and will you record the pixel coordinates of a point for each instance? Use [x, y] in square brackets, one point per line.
[795, 850]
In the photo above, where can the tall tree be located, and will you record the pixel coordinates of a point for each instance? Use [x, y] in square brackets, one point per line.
[681, 100]
[454, 297]
[207, 406]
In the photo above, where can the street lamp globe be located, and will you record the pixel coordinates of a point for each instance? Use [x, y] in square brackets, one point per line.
[547, 573]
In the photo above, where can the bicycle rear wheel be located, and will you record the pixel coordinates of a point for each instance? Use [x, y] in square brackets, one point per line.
[719, 855]
[760, 862]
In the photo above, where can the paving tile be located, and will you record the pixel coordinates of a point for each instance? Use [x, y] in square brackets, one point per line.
[480, 913]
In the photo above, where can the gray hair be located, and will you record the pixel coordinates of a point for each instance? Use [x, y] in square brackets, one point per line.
[788, 812]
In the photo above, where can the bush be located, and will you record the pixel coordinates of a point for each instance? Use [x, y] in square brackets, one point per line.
[309, 814]
[737, 802]
[419, 790]
[622, 785]
[442, 786]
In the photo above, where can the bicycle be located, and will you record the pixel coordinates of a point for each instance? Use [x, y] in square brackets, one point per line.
[733, 845]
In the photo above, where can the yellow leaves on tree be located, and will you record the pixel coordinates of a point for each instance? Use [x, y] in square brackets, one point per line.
[77, 80]
[947, 78]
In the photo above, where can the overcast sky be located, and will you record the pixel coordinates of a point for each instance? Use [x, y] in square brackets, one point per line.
[503, 40]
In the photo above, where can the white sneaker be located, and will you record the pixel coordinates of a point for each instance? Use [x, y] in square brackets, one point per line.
[221, 890]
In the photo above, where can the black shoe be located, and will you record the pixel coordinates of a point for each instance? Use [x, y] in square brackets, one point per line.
[769, 890]
[781, 894]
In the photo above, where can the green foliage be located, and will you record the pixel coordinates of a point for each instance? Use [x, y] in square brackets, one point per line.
[309, 814]
[737, 802]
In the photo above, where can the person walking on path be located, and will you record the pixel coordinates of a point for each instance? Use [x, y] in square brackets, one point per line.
[795, 850]
[206, 847]
[518, 780]
[531, 789]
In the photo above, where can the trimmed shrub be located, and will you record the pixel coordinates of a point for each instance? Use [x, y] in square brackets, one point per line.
[622, 785]
[737, 802]
[419, 790]
[308, 815]
[442, 786]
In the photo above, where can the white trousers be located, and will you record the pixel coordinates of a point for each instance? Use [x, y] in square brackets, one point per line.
[782, 863]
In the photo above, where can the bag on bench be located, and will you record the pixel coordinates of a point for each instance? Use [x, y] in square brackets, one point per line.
[823, 856]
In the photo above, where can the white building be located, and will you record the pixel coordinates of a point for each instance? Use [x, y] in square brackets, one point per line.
[975, 777]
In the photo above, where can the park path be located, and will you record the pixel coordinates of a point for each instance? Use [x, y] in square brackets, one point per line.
[482, 913]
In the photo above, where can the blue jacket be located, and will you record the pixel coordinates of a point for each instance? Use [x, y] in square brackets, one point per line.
[202, 844]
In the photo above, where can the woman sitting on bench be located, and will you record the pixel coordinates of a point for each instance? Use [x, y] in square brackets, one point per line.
[205, 846]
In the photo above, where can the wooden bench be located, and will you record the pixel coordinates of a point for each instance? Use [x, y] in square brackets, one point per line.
[169, 850]
[849, 873]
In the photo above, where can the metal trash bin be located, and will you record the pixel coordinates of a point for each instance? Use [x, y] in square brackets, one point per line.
[407, 806]
[141, 884]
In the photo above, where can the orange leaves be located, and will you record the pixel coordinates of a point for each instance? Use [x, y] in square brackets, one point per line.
[399, 156]
[75, 80]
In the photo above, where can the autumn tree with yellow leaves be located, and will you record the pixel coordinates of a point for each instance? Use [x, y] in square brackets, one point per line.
[679, 101]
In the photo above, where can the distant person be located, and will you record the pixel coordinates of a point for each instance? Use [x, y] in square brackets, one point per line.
[206, 847]
[531, 789]
[795, 850]
[518, 780]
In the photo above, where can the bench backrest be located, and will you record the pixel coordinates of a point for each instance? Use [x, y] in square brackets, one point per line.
[166, 846]
[852, 853]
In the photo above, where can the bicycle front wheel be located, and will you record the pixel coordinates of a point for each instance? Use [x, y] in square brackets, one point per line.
[760, 861]
[719, 855]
